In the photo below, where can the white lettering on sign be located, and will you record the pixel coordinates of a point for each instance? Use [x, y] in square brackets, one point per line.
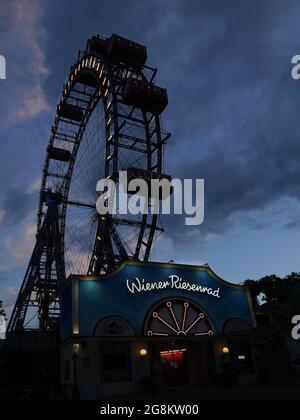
[174, 282]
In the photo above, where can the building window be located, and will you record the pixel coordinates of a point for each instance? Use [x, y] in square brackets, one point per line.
[113, 326]
[236, 327]
[115, 365]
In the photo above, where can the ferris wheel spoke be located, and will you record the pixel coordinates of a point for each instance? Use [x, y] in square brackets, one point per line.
[78, 204]
[85, 176]
[93, 164]
[81, 192]
[77, 235]
[88, 160]
[72, 254]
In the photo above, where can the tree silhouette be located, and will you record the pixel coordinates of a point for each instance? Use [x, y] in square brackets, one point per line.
[274, 289]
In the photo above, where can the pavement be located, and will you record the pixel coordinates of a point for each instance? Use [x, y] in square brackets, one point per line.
[281, 392]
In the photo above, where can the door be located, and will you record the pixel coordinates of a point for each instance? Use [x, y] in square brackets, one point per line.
[174, 366]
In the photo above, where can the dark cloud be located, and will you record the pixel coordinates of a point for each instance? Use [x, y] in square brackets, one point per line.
[293, 224]
[3, 275]
[233, 105]
[17, 205]
[233, 109]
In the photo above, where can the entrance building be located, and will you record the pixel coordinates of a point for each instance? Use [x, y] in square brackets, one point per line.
[153, 326]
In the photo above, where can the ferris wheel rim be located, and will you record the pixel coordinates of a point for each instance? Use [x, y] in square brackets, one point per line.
[96, 68]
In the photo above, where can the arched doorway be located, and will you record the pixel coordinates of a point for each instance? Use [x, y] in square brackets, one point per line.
[115, 356]
[180, 325]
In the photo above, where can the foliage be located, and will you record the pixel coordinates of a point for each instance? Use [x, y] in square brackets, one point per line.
[273, 288]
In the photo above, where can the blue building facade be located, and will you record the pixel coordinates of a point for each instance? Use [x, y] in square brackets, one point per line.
[147, 307]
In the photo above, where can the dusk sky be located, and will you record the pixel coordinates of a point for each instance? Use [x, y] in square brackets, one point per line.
[233, 114]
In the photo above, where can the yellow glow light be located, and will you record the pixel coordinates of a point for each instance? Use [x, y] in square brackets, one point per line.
[143, 352]
[76, 348]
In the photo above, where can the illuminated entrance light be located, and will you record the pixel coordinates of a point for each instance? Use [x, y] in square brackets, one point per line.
[143, 352]
[226, 350]
[76, 348]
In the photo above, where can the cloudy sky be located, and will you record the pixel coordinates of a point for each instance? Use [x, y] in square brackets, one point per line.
[233, 114]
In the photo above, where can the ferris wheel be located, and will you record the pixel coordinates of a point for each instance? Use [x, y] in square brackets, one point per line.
[108, 120]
